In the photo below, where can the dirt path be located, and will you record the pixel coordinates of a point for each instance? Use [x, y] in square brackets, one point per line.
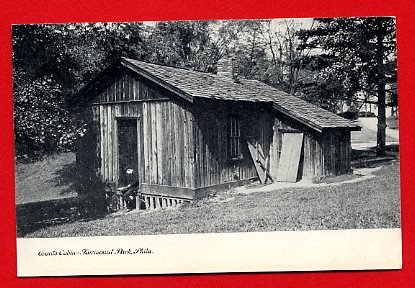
[372, 122]
[362, 174]
[366, 138]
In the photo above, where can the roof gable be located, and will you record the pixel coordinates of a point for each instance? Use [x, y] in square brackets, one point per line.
[152, 75]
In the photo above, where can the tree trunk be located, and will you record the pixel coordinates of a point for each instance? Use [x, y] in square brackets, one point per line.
[381, 133]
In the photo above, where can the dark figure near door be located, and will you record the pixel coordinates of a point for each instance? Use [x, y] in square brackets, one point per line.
[129, 192]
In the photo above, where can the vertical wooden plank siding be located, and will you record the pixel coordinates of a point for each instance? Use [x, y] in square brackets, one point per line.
[179, 145]
[159, 144]
[145, 144]
[128, 88]
[188, 147]
[168, 137]
[152, 140]
[186, 171]
[165, 154]
[116, 113]
[165, 134]
[274, 155]
[321, 154]
[192, 180]
[139, 145]
[111, 147]
[102, 147]
[175, 164]
[210, 137]
[105, 142]
[337, 151]
[173, 136]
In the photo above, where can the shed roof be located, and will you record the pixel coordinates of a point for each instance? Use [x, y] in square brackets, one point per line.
[190, 84]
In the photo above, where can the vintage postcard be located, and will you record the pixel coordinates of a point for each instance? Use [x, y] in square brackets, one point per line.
[206, 146]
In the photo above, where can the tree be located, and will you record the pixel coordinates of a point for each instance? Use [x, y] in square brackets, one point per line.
[41, 71]
[186, 44]
[357, 53]
[50, 62]
[266, 50]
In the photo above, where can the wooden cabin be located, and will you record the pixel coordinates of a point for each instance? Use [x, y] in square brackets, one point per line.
[184, 133]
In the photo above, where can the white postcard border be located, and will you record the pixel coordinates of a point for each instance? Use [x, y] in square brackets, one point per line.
[359, 249]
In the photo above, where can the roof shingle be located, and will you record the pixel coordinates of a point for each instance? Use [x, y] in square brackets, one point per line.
[205, 85]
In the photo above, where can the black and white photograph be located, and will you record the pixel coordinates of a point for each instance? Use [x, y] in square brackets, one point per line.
[219, 128]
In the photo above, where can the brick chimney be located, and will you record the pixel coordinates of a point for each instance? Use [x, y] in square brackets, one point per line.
[228, 67]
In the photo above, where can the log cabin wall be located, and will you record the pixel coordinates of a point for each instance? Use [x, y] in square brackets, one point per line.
[322, 154]
[164, 130]
[186, 145]
[336, 148]
[212, 162]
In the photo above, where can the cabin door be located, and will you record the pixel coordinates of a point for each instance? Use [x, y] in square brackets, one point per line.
[290, 158]
[127, 151]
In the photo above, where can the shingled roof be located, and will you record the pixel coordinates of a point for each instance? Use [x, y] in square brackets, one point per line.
[192, 84]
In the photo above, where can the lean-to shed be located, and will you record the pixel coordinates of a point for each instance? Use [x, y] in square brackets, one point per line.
[184, 132]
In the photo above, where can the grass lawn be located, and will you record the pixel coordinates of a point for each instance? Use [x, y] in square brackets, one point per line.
[50, 178]
[372, 203]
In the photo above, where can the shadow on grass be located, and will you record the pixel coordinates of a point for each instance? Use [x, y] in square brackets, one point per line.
[90, 204]
[69, 177]
[37, 215]
[369, 158]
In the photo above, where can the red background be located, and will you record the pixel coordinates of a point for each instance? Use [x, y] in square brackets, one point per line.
[41, 11]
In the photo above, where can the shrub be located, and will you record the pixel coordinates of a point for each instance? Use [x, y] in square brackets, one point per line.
[42, 123]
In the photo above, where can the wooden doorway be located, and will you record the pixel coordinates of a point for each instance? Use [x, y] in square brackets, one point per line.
[288, 168]
[127, 150]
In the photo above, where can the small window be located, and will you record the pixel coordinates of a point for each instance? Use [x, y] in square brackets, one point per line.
[234, 137]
